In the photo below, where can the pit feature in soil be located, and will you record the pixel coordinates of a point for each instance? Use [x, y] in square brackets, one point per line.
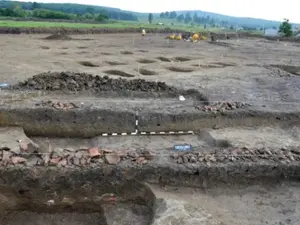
[45, 47]
[182, 59]
[164, 59]
[88, 64]
[58, 37]
[115, 63]
[147, 72]
[60, 204]
[118, 73]
[146, 61]
[126, 53]
[180, 69]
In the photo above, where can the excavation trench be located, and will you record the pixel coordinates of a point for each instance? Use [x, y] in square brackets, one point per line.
[73, 197]
[85, 121]
[69, 172]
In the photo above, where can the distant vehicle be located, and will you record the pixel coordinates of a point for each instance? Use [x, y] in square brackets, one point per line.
[160, 23]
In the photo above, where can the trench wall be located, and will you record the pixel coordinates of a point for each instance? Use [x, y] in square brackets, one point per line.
[92, 122]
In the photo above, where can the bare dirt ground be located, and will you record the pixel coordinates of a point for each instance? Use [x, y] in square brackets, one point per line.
[239, 69]
[263, 73]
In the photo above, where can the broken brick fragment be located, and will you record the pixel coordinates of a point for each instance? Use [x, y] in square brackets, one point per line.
[17, 160]
[94, 152]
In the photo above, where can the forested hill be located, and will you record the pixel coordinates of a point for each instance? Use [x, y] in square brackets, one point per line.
[112, 13]
[185, 17]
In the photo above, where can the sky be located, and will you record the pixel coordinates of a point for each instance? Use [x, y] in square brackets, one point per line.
[264, 9]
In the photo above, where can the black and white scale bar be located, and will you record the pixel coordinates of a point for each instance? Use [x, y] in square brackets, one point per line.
[137, 132]
[150, 133]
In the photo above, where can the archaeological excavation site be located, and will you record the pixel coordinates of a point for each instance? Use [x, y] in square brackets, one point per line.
[154, 133]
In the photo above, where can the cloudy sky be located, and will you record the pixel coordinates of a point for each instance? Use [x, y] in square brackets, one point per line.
[265, 9]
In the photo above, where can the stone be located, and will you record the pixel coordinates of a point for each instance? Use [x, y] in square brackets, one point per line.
[140, 160]
[105, 151]
[54, 161]
[185, 159]
[67, 201]
[112, 159]
[83, 161]
[17, 159]
[6, 156]
[193, 159]
[32, 148]
[175, 156]
[58, 152]
[76, 161]
[148, 154]
[23, 146]
[213, 158]
[46, 158]
[179, 160]
[94, 152]
[63, 163]
[34, 160]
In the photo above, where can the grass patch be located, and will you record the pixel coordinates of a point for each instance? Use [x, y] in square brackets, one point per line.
[112, 24]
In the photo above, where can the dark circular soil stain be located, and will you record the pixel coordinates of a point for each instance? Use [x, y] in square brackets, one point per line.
[147, 72]
[180, 69]
[118, 73]
[146, 61]
[88, 64]
[164, 59]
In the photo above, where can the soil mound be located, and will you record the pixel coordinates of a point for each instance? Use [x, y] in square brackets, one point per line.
[58, 37]
[69, 81]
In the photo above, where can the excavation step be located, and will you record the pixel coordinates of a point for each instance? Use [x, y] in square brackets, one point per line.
[91, 116]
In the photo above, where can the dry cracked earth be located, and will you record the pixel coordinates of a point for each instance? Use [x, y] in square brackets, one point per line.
[231, 74]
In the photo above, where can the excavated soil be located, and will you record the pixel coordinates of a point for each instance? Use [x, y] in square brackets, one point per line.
[81, 81]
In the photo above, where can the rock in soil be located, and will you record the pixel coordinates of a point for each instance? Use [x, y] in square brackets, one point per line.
[17, 160]
[112, 158]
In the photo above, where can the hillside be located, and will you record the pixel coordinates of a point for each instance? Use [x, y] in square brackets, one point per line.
[178, 17]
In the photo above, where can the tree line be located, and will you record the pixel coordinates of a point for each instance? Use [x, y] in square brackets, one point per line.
[62, 11]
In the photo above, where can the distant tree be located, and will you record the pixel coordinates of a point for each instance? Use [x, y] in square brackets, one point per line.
[285, 28]
[35, 5]
[150, 18]
[187, 18]
[101, 18]
[205, 26]
[167, 14]
[195, 18]
[162, 15]
[90, 10]
[180, 18]
[173, 15]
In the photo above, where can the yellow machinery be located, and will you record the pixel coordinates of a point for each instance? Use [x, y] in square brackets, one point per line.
[174, 37]
[178, 37]
[193, 37]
